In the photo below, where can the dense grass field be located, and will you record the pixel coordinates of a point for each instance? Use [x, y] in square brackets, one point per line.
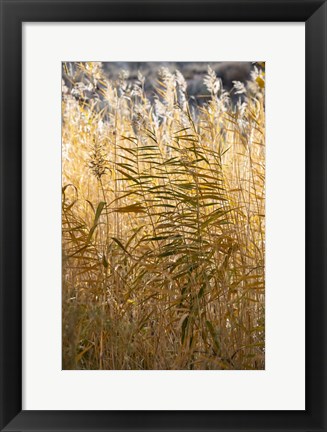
[163, 222]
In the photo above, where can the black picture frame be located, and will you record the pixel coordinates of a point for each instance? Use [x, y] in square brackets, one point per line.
[16, 12]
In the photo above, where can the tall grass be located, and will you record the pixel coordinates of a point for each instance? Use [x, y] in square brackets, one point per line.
[163, 221]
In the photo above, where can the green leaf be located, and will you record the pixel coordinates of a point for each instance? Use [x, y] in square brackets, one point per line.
[128, 176]
[99, 211]
[91, 205]
[120, 244]
[184, 327]
[105, 262]
[133, 208]
[214, 337]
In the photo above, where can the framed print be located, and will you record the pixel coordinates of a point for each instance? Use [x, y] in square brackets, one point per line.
[163, 215]
[166, 312]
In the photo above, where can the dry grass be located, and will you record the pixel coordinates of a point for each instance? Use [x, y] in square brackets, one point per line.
[163, 223]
